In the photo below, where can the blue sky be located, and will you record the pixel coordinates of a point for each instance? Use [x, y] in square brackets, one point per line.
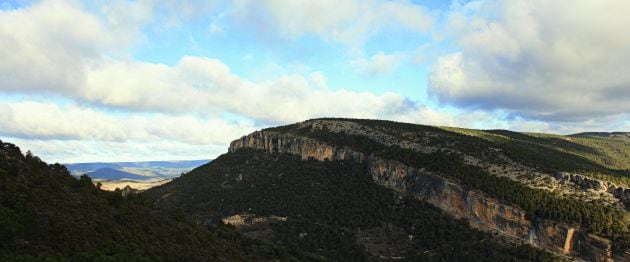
[151, 80]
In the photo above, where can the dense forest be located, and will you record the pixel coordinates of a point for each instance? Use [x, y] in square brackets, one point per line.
[327, 205]
[46, 214]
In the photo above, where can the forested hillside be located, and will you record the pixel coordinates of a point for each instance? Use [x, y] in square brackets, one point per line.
[46, 214]
[577, 182]
[330, 207]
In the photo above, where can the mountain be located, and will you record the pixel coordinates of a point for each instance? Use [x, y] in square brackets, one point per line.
[48, 215]
[113, 174]
[147, 169]
[352, 189]
[138, 175]
[86, 167]
[625, 135]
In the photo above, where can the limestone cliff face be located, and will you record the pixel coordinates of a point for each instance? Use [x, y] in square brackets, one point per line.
[481, 211]
[305, 147]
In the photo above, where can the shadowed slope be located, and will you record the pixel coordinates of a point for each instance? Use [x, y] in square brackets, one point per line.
[47, 213]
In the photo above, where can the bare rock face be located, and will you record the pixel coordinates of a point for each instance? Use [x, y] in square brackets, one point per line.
[481, 211]
[274, 142]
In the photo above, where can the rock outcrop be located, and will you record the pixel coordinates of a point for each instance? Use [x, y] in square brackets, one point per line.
[129, 190]
[481, 211]
[251, 225]
[588, 183]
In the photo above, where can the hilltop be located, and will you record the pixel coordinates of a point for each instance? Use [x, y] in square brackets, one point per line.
[564, 194]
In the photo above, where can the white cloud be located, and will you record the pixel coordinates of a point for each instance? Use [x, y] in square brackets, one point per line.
[49, 121]
[74, 151]
[350, 22]
[125, 19]
[182, 103]
[42, 46]
[319, 79]
[379, 64]
[477, 119]
[546, 60]
[427, 116]
[411, 16]
[207, 86]
[70, 61]
[54, 45]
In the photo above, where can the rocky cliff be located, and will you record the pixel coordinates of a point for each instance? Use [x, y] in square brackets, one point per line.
[481, 211]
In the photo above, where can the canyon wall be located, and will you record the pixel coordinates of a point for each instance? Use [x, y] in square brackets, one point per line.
[481, 211]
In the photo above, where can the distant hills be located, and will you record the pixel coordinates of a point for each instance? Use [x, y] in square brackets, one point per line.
[86, 167]
[137, 175]
[113, 174]
[141, 170]
[603, 134]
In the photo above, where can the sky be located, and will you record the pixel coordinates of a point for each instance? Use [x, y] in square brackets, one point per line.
[84, 81]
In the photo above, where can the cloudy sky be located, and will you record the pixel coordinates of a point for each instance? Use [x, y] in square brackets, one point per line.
[158, 80]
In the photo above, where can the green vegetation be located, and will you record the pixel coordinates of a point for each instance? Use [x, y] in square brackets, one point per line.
[46, 214]
[611, 149]
[537, 203]
[327, 203]
[605, 156]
